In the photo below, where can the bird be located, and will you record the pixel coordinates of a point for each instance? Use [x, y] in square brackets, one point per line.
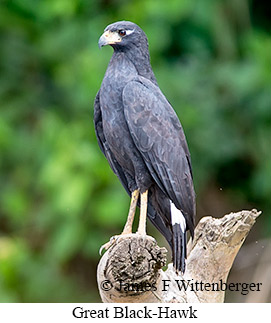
[142, 138]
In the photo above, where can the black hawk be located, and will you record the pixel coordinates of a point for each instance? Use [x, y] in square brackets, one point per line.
[142, 138]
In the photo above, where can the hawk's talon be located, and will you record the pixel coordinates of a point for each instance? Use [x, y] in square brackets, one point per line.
[108, 244]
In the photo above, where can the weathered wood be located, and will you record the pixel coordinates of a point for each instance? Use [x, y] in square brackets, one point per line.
[130, 271]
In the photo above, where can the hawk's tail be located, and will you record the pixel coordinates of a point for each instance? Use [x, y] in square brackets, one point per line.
[179, 238]
[179, 248]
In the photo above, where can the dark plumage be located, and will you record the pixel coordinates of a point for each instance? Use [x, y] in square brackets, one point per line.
[142, 138]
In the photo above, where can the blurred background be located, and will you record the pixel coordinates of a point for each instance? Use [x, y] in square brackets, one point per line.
[59, 200]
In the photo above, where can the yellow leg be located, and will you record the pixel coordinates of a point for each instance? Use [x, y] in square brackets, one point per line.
[130, 219]
[143, 213]
[129, 223]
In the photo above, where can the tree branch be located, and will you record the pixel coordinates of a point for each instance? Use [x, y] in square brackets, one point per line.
[130, 271]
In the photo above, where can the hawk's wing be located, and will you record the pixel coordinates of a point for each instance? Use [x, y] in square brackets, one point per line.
[155, 218]
[158, 135]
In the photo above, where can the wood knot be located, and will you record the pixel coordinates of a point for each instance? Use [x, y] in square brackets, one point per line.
[133, 264]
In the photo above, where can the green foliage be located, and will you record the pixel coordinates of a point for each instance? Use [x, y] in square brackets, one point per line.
[59, 200]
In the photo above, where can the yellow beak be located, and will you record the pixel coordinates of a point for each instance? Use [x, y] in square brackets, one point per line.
[109, 38]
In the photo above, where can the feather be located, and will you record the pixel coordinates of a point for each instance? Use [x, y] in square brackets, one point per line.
[142, 138]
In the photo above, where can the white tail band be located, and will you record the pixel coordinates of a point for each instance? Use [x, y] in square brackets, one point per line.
[177, 217]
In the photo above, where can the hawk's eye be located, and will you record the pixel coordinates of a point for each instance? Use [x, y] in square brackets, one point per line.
[122, 32]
